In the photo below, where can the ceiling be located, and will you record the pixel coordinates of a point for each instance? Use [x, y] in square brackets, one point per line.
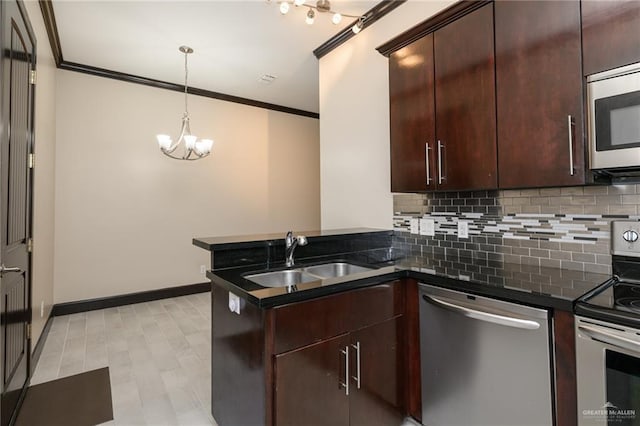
[234, 42]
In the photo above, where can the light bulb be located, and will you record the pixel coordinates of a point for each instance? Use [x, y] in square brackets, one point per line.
[164, 141]
[298, 2]
[336, 18]
[284, 7]
[310, 17]
[357, 27]
[190, 141]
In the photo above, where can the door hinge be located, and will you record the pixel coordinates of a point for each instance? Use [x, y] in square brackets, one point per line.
[28, 331]
[32, 77]
[30, 245]
[31, 160]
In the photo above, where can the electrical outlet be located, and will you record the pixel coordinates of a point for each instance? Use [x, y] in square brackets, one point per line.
[463, 229]
[427, 227]
[415, 225]
[42, 309]
[203, 269]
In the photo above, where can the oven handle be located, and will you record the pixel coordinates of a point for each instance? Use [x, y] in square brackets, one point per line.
[482, 316]
[610, 339]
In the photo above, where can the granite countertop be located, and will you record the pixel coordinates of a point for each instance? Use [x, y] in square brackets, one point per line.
[259, 240]
[532, 285]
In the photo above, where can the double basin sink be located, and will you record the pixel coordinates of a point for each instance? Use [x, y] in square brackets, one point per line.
[291, 277]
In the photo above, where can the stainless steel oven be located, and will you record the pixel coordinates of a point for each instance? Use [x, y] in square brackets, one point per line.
[608, 373]
[608, 338]
[614, 119]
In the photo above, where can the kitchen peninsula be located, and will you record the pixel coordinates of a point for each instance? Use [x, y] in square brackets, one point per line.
[345, 349]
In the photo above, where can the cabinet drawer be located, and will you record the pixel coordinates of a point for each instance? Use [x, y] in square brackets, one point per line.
[303, 323]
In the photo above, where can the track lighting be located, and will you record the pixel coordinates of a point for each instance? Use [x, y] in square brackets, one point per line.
[321, 6]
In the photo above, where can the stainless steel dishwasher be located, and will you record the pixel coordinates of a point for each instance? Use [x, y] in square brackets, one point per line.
[484, 361]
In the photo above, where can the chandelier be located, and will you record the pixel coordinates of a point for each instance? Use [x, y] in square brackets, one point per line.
[321, 6]
[187, 147]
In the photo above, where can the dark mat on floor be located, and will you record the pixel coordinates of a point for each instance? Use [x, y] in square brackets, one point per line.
[80, 400]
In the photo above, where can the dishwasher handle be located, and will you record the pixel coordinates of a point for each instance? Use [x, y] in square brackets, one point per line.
[482, 316]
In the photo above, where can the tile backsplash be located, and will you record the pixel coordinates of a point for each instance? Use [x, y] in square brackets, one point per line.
[556, 227]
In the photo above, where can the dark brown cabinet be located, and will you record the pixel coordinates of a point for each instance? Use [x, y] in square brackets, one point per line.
[412, 117]
[377, 394]
[539, 93]
[610, 34]
[442, 108]
[307, 385]
[352, 379]
[465, 102]
[340, 360]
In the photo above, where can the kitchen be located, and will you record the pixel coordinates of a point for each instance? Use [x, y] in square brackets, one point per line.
[354, 182]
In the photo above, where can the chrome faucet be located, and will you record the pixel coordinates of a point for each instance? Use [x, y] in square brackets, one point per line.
[291, 243]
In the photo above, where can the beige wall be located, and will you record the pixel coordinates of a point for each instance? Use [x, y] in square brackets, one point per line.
[354, 125]
[126, 214]
[45, 138]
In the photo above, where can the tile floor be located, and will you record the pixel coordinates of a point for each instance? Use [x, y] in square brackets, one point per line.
[158, 354]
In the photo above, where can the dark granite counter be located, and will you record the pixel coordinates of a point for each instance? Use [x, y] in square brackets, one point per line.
[276, 239]
[532, 285]
[235, 257]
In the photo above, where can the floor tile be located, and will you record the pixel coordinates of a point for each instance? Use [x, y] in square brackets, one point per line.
[158, 354]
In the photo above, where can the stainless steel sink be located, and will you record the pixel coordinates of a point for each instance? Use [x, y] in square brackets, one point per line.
[335, 269]
[281, 278]
[307, 274]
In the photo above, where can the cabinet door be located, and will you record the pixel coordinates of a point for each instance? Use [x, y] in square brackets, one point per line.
[308, 386]
[539, 93]
[379, 397]
[465, 102]
[412, 117]
[610, 34]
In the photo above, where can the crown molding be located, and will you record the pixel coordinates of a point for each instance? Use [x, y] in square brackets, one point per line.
[371, 16]
[46, 7]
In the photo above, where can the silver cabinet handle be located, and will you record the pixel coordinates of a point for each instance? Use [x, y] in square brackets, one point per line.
[483, 316]
[4, 269]
[598, 334]
[570, 125]
[345, 385]
[357, 377]
[440, 177]
[426, 160]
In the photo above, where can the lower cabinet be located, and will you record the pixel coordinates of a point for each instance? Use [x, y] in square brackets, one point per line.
[352, 379]
[339, 360]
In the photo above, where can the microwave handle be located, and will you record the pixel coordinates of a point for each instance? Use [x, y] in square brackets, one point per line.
[570, 126]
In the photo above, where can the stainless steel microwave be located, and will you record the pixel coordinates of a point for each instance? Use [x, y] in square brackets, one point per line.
[614, 120]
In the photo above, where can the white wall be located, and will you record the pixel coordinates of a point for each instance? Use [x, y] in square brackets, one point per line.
[126, 214]
[43, 185]
[354, 123]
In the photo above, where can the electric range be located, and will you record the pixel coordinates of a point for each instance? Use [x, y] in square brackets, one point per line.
[607, 329]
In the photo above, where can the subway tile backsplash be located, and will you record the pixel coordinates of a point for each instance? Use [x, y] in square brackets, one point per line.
[556, 227]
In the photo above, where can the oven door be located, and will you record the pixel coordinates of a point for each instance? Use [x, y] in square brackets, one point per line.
[614, 118]
[608, 373]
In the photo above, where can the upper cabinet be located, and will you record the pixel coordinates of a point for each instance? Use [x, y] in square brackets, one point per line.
[490, 94]
[610, 34]
[465, 102]
[539, 93]
[442, 97]
[412, 112]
